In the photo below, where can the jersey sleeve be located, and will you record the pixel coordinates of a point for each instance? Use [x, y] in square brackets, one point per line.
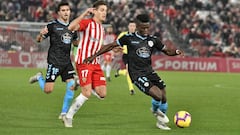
[158, 44]
[50, 29]
[83, 24]
[122, 40]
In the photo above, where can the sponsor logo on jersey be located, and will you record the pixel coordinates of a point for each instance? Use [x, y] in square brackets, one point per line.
[135, 42]
[66, 38]
[143, 52]
[150, 43]
[59, 28]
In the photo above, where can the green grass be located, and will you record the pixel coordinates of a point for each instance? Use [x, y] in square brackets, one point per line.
[211, 98]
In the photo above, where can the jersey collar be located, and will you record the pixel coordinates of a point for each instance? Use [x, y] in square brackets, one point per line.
[139, 36]
[63, 23]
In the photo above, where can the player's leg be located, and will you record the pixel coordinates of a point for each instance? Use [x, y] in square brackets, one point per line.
[108, 71]
[130, 85]
[68, 77]
[159, 108]
[52, 74]
[146, 86]
[85, 75]
[67, 98]
[164, 105]
[38, 78]
[99, 83]
[48, 84]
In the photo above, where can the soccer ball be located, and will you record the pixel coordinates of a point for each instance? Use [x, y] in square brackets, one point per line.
[182, 119]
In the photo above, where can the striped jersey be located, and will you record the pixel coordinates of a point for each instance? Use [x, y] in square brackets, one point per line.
[91, 39]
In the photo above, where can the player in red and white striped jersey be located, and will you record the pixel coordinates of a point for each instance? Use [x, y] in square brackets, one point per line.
[90, 75]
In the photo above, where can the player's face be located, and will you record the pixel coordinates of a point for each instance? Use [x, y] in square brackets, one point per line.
[131, 27]
[100, 13]
[143, 28]
[64, 13]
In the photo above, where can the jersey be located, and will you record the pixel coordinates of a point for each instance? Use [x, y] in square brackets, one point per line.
[124, 46]
[91, 34]
[140, 50]
[60, 42]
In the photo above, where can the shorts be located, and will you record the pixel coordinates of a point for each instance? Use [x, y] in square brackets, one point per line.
[125, 59]
[144, 83]
[90, 74]
[65, 71]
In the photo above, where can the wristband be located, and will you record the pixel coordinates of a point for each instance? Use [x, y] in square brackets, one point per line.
[177, 51]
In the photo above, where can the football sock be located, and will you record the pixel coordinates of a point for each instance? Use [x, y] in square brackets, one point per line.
[122, 72]
[163, 107]
[41, 82]
[79, 101]
[68, 97]
[108, 70]
[155, 105]
[129, 81]
[103, 67]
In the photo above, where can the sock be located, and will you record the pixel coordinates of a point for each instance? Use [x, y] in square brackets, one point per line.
[95, 94]
[155, 105]
[68, 97]
[103, 67]
[129, 81]
[79, 101]
[41, 82]
[122, 72]
[163, 107]
[108, 70]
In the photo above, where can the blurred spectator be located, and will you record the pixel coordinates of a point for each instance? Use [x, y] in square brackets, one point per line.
[231, 50]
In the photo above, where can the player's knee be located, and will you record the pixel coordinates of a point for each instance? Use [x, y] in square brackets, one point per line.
[101, 93]
[71, 84]
[47, 91]
[157, 98]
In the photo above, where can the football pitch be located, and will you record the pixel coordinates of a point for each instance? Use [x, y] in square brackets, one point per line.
[213, 100]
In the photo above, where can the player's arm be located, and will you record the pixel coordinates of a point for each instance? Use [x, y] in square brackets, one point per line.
[172, 52]
[104, 49]
[75, 42]
[74, 25]
[42, 34]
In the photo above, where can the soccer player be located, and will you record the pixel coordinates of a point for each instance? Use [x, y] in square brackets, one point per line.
[108, 57]
[140, 46]
[59, 61]
[131, 29]
[91, 75]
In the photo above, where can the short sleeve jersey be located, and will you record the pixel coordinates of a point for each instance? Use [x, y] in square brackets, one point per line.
[91, 34]
[60, 42]
[140, 50]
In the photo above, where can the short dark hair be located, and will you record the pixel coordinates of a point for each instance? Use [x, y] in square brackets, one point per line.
[143, 18]
[99, 3]
[131, 21]
[60, 5]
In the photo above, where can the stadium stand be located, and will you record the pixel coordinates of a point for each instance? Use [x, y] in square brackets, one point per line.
[203, 28]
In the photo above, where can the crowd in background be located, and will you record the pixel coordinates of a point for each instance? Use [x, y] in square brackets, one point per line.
[203, 27]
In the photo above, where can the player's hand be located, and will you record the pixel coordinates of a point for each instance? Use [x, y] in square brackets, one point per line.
[89, 11]
[44, 31]
[179, 52]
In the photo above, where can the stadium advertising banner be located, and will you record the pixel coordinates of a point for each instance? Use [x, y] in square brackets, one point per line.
[38, 60]
[196, 64]
[23, 59]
